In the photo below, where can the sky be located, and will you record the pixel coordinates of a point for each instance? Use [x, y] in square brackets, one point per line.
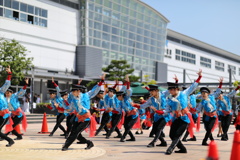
[216, 22]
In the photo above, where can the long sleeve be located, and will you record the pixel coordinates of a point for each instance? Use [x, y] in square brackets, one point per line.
[147, 104]
[231, 94]
[190, 89]
[21, 93]
[6, 85]
[94, 91]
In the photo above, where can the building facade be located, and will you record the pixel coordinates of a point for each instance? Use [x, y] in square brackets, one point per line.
[186, 53]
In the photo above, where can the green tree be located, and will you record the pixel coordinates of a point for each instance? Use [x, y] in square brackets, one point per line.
[148, 81]
[117, 69]
[13, 54]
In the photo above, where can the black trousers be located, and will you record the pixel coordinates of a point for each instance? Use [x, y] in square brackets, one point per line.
[76, 133]
[187, 133]
[178, 127]
[208, 125]
[128, 124]
[69, 122]
[237, 127]
[158, 130]
[115, 120]
[16, 121]
[2, 135]
[60, 118]
[226, 121]
[105, 120]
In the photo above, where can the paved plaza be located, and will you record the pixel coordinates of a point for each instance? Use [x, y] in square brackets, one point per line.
[36, 146]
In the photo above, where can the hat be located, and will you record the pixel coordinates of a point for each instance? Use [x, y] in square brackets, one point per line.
[111, 89]
[172, 85]
[119, 93]
[51, 91]
[152, 87]
[141, 98]
[101, 92]
[10, 89]
[63, 92]
[75, 87]
[204, 89]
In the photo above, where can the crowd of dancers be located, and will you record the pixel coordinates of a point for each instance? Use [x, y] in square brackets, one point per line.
[178, 108]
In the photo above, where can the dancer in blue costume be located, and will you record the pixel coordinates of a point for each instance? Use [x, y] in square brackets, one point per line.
[224, 108]
[80, 103]
[17, 114]
[177, 103]
[208, 105]
[4, 112]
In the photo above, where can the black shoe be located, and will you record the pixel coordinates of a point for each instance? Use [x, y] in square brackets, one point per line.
[119, 136]
[81, 142]
[10, 143]
[50, 134]
[204, 144]
[224, 139]
[141, 132]
[163, 134]
[137, 132]
[104, 134]
[107, 137]
[132, 139]
[184, 140]
[192, 139]
[63, 134]
[1, 139]
[181, 151]
[163, 144]
[64, 149]
[18, 138]
[89, 145]
[122, 140]
[150, 145]
[169, 151]
[151, 136]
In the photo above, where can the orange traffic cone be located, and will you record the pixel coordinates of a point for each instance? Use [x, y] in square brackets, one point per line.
[212, 151]
[236, 146]
[44, 125]
[17, 128]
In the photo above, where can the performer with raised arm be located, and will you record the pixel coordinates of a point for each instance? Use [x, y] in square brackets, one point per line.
[224, 107]
[124, 102]
[80, 103]
[157, 102]
[17, 114]
[57, 103]
[208, 104]
[4, 112]
[177, 103]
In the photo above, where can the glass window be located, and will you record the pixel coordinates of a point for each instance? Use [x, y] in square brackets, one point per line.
[7, 3]
[113, 55]
[44, 13]
[116, 16]
[23, 7]
[125, 26]
[131, 43]
[98, 9]
[106, 36]
[43, 22]
[106, 12]
[98, 1]
[114, 47]
[239, 71]
[38, 11]
[97, 42]
[1, 11]
[132, 13]
[133, 5]
[106, 28]
[139, 45]
[116, 7]
[105, 44]
[124, 18]
[139, 52]
[131, 36]
[97, 25]
[107, 3]
[139, 30]
[123, 49]
[115, 39]
[145, 54]
[8, 13]
[219, 66]
[115, 30]
[23, 17]
[90, 15]
[152, 56]
[115, 23]
[124, 10]
[1, 2]
[233, 68]
[91, 6]
[90, 32]
[90, 23]
[97, 34]
[36, 20]
[98, 17]
[105, 54]
[30, 9]
[121, 56]
[130, 59]
[130, 50]
[132, 28]
[15, 15]
[205, 62]
[139, 38]
[15, 5]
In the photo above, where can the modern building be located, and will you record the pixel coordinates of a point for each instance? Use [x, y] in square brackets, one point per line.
[189, 54]
[72, 39]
